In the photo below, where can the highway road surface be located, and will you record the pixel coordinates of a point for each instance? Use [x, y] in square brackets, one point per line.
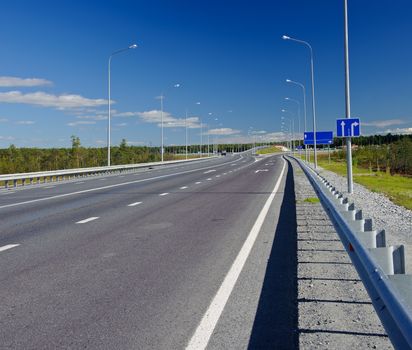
[175, 257]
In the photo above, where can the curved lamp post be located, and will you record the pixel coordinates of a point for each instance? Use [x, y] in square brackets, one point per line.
[285, 37]
[133, 46]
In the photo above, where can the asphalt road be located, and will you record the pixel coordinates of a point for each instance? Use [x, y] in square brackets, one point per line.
[134, 261]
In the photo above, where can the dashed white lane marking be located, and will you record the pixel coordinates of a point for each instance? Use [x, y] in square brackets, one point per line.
[163, 194]
[217, 175]
[49, 187]
[79, 183]
[102, 179]
[208, 323]
[8, 246]
[199, 182]
[134, 204]
[183, 187]
[224, 173]
[209, 179]
[87, 220]
[9, 192]
[105, 187]
[209, 171]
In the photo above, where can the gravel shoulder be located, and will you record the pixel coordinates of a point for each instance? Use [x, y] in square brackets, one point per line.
[394, 219]
[334, 308]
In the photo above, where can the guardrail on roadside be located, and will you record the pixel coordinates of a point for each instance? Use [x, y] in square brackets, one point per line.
[381, 268]
[60, 175]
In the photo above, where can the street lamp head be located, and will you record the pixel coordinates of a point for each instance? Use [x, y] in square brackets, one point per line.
[133, 46]
[288, 80]
[285, 37]
[283, 110]
[287, 98]
[176, 85]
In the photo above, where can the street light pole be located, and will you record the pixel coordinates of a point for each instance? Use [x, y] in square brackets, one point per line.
[285, 37]
[186, 132]
[304, 109]
[298, 104]
[110, 102]
[347, 99]
[161, 116]
[292, 127]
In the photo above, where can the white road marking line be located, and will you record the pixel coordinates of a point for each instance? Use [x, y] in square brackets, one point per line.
[208, 323]
[105, 187]
[8, 246]
[199, 182]
[217, 175]
[259, 170]
[209, 179]
[163, 194]
[183, 187]
[134, 204]
[209, 171]
[10, 192]
[79, 183]
[87, 220]
[49, 187]
[224, 173]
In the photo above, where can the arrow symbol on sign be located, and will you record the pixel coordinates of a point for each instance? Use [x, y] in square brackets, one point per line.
[342, 124]
[260, 170]
[352, 128]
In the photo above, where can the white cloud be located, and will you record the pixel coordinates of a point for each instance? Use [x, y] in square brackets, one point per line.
[3, 120]
[25, 122]
[135, 143]
[223, 131]
[155, 116]
[7, 138]
[384, 123]
[47, 100]
[121, 124]
[398, 131]
[92, 117]
[21, 82]
[259, 132]
[125, 114]
[81, 122]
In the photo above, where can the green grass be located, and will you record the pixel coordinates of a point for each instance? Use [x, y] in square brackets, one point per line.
[397, 188]
[268, 150]
[312, 200]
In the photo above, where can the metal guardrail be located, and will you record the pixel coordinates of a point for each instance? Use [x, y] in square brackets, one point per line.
[60, 175]
[381, 268]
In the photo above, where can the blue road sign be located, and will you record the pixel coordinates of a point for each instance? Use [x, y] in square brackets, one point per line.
[349, 127]
[322, 138]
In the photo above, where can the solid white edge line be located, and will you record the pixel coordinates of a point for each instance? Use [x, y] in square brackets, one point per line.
[87, 220]
[199, 182]
[183, 187]
[8, 246]
[164, 194]
[201, 337]
[134, 204]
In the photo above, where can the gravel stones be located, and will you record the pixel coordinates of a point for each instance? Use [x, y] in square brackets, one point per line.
[334, 309]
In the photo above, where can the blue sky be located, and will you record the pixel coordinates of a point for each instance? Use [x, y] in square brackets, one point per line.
[227, 55]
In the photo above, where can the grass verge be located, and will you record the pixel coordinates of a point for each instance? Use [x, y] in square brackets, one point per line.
[397, 188]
